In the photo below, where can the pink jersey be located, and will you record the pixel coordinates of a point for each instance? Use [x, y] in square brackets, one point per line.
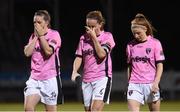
[143, 58]
[94, 68]
[43, 68]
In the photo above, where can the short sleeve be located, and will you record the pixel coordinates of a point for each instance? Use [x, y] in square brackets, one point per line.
[108, 44]
[159, 54]
[55, 41]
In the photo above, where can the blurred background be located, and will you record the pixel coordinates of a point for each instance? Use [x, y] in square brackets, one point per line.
[68, 17]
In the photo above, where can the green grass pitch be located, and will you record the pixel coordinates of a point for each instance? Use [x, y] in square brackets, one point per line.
[78, 106]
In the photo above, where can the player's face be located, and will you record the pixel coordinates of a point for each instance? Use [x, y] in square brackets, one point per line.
[139, 34]
[39, 20]
[92, 23]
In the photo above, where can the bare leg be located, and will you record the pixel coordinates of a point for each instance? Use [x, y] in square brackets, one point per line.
[97, 105]
[30, 102]
[133, 106]
[154, 106]
[51, 108]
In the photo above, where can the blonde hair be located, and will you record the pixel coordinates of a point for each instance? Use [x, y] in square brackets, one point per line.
[140, 19]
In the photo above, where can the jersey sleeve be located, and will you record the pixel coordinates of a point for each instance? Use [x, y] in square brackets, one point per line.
[55, 41]
[108, 44]
[79, 48]
[159, 54]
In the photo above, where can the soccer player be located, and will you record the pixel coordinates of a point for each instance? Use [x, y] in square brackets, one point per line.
[94, 51]
[145, 66]
[44, 82]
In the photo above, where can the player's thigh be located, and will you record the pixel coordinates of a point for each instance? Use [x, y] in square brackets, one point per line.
[31, 100]
[31, 93]
[133, 105]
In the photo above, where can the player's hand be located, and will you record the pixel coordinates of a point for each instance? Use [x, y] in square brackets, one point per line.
[40, 30]
[90, 31]
[155, 87]
[74, 76]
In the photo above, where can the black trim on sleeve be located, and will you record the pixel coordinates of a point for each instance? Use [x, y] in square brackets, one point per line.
[80, 56]
[160, 61]
[52, 47]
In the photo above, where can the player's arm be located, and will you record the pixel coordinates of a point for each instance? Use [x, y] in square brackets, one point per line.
[159, 57]
[45, 46]
[76, 66]
[28, 49]
[129, 68]
[156, 82]
[159, 72]
[99, 49]
[41, 32]
[128, 72]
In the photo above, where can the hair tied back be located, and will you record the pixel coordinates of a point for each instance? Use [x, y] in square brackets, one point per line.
[140, 16]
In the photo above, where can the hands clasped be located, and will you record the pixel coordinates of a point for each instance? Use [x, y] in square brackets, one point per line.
[39, 30]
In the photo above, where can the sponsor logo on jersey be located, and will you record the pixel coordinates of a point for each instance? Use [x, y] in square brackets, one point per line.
[144, 59]
[88, 52]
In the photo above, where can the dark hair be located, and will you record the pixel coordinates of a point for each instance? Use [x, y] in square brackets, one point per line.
[45, 15]
[97, 15]
[140, 19]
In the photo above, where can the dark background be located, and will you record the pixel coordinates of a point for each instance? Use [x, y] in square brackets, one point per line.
[68, 17]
